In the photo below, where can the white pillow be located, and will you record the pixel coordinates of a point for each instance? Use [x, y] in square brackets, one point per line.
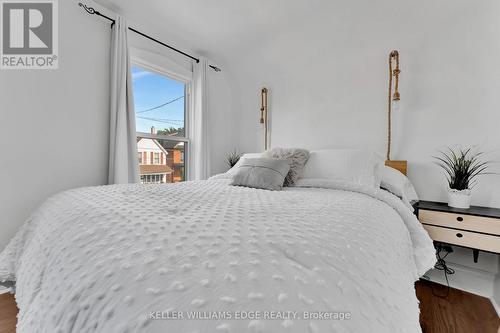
[353, 165]
[398, 184]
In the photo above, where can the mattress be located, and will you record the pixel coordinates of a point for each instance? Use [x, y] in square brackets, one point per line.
[209, 257]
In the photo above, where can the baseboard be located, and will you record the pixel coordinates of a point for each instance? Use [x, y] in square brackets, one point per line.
[3, 290]
[495, 305]
[472, 280]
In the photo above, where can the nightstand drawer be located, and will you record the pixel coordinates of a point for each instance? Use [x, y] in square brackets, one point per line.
[459, 221]
[464, 238]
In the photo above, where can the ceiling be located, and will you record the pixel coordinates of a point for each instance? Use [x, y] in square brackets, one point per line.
[228, 30]
[213, 27]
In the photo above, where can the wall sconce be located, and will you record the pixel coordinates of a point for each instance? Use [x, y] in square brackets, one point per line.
[393, 104]
[263, 113]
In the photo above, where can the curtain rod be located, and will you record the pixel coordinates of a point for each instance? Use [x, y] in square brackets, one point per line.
[92, 11]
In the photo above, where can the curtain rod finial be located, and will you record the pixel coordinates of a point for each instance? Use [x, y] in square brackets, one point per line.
[88, 9]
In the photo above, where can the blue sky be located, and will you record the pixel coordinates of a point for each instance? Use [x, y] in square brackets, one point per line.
[152, 90]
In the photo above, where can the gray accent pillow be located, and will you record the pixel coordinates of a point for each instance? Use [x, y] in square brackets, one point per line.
[263, 173]
[296, 157]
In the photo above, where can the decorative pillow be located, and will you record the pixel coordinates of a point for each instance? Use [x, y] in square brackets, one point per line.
[263, 173]
[296, 157]
[398, 184]
[353, 165]
[231, 171]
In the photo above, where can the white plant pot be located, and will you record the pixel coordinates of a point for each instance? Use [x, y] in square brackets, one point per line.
[459, 199]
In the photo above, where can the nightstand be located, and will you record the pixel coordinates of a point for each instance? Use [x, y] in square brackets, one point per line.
[477, 228]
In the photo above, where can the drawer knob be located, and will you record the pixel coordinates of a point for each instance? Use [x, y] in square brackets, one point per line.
[460, 219]
[459, 235]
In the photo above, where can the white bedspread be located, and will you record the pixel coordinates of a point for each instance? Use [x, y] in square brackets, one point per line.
[129, 258]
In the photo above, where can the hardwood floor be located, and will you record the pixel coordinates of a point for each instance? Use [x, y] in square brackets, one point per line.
[8, 313]
[460, 312]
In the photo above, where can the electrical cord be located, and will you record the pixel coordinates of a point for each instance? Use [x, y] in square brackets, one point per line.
[161, 105]
[442, 266]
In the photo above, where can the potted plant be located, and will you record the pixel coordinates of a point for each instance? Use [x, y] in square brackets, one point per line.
[462, 167]
[232, 158]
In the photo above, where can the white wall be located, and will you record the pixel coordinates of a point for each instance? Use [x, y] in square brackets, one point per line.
[327, 75]
[54, 123]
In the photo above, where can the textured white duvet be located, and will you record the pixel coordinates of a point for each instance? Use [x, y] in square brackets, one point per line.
[113, 258]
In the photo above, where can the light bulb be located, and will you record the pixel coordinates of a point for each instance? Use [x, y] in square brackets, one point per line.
[395, 105]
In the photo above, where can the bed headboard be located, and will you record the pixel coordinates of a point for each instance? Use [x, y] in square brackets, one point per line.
[401, 166]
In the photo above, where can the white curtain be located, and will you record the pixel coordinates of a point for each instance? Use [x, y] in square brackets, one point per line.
[123, 163]
[198, 165]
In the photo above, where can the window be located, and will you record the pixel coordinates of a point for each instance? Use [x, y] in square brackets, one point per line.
[153, 179]
[161, 104]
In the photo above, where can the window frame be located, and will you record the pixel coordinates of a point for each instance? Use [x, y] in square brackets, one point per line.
[138, 60]
[156, 158]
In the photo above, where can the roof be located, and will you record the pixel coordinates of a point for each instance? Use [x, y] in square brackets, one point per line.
[155, 142]
[170, 144]
[154, 169]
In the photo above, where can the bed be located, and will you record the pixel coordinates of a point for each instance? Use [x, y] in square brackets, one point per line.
[203, 256]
